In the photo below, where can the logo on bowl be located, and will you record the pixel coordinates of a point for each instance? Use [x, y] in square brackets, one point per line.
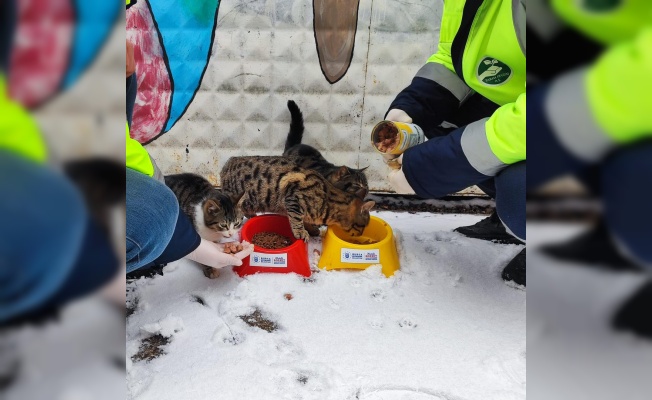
[354, 256]
[371, 257]
[269, 260]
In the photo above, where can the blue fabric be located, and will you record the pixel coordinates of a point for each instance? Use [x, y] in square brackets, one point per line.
[427, 103]
[96, 264]
[510, 198]
[626, 192]
[132, 91]
[184, 240]
[548, 159]
[439, 167]
[152, 212]
[43, 222]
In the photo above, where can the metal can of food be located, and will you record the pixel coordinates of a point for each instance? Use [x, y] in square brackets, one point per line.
[390, 137]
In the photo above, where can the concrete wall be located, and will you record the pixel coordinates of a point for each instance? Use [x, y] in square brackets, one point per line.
[202, 102]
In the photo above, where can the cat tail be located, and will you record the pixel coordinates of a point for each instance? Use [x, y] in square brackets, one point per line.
[296, 126]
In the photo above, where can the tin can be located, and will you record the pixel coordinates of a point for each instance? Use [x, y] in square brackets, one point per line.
[390, 137]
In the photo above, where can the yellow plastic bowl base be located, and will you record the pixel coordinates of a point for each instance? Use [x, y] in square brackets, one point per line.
[340, 251]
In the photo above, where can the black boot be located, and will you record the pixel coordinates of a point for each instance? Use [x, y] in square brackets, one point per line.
[594, 247]
[515, 270]
[490, 229]
[634, 315]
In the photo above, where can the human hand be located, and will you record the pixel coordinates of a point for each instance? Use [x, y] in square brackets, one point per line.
[212, 255]
[247, 249]
[397, 179]
[397, 115]
[131, 61]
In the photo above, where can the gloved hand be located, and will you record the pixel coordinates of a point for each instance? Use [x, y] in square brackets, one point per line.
[398, 181]
[212, 254]
[396, 115]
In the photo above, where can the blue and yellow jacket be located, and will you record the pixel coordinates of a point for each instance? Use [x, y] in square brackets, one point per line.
[481, 52]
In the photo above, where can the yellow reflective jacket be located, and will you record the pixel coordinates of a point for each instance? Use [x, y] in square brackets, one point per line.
[18, 131]
[483, 44]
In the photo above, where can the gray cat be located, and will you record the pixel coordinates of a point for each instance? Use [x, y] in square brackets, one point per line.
[212, 212]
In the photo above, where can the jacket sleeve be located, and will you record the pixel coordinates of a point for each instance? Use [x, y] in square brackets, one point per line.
[469, 155]
[434, 94]
[593, 110]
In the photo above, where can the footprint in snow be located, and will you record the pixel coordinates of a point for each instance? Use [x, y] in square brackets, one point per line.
[407, 323]
[377, 322]
[227, 337]
[378, 295]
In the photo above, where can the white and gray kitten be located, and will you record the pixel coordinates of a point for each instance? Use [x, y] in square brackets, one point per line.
[213, 213]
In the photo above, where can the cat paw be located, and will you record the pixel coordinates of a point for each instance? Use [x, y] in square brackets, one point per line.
[302, 235]
[211, 273]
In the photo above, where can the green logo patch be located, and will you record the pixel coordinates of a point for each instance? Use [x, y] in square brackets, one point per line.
[493, 72]
[600, 5]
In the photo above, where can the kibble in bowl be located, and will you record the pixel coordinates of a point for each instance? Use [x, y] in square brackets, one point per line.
[271, 240]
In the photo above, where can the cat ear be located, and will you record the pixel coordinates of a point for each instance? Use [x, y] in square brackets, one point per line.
[211, 207]
[363, 169]
[342, 172]
[368, 205]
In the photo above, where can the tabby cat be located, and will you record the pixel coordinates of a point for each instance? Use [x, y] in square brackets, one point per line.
[211, 211]
[348, 179]
[280, 185]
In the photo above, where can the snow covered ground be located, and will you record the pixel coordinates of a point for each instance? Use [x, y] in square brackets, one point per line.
[444, 327]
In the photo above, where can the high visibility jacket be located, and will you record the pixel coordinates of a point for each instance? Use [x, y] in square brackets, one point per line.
[137, 157]
[18, 131]
[602, 106]
[481, 51]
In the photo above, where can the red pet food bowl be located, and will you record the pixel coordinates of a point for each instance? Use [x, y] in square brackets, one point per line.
[293, 258]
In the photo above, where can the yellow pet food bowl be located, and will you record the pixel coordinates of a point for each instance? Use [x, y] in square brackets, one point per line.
[375, 246]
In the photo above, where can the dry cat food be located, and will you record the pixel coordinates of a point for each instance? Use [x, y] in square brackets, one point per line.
[271, 240]
[232, 248]
[386, 137]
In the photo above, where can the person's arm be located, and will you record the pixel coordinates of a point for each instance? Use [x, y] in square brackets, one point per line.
[434, 94]
[467, 156]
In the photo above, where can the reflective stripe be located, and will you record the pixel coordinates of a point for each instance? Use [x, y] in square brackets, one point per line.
[518, 15]
[567, 109]
[446, 78]
[477, 150]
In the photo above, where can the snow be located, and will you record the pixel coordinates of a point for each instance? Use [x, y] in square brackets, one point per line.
[573, 352]
[443, 327]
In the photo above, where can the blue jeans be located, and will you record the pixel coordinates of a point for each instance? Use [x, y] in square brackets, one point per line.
[157, 231]
[42, 230]
[152, 211]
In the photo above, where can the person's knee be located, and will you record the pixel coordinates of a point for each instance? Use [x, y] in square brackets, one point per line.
[510, 198]
[626, 180]
[152, 211]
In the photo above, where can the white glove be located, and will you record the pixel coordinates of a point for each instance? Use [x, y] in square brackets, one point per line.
[212, 254]
[396, 115]
[397, 179]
